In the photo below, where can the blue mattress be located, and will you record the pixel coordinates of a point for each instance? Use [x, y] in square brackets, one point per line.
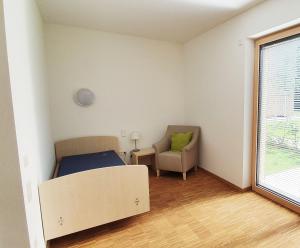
[78, 163]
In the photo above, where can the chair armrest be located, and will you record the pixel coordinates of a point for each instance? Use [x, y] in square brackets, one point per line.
[190, 154]
[191, 145]
[162, 145]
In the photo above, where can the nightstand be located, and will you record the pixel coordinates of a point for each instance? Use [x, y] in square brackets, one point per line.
[144, 156]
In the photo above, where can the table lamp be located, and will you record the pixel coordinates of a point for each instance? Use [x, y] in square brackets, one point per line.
[135, 136]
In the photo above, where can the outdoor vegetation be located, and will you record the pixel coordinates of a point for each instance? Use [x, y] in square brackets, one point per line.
[283, 147]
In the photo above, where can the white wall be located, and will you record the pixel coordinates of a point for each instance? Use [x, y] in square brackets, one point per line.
[25, 46]
[138, 84]
[13, 229]
[219, 87]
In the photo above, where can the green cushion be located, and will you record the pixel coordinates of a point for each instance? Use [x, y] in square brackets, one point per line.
[180, 140]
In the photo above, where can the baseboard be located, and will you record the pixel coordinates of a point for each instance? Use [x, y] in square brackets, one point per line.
[225, 181]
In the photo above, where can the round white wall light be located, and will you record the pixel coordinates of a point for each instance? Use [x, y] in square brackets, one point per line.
[84, 97]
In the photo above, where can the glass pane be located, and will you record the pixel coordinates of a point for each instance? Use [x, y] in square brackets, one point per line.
[278, 161]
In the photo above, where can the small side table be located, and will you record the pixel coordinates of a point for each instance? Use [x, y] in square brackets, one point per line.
[144, 156]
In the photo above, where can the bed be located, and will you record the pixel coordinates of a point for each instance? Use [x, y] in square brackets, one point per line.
[91, 186]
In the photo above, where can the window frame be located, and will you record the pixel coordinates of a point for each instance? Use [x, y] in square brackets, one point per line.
[283, 34]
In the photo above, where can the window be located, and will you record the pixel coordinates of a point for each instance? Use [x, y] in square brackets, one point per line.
[277, 118]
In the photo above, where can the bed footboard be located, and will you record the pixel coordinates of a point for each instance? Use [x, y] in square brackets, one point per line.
[87, 199]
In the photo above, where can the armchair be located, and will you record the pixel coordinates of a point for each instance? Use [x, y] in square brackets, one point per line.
[177, 161]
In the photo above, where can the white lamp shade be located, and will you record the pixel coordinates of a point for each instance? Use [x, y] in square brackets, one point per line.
[135, 136]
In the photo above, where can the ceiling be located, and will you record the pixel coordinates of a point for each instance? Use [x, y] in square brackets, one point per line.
[172, 20]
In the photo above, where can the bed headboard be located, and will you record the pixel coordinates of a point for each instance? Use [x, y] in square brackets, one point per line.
[85, 145]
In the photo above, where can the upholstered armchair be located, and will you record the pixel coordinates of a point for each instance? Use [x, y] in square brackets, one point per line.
[177, 161]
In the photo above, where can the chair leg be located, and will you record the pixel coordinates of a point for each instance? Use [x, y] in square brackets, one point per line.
[157, 173]
[184, 176]
[196, 167]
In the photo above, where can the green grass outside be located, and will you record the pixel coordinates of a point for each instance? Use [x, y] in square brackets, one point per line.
[280, 159]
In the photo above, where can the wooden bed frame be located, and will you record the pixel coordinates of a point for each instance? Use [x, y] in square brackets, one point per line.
[91, 198]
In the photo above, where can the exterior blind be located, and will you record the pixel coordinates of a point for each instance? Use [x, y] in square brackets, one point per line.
[278, 154]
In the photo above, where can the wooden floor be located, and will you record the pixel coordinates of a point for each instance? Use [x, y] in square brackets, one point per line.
[199, 212]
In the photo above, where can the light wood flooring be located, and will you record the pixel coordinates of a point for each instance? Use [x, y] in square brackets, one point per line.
[199, 212]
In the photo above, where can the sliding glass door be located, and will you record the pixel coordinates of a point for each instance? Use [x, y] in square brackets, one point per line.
[277, 118]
